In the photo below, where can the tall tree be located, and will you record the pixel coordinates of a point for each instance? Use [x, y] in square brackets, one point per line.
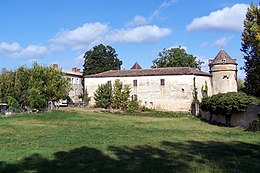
[251, 50]
[101, 58]
[176, 57]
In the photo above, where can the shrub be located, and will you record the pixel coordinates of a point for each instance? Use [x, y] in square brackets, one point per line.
[103, 96]
[121, 94]
[254, 125]
[85, 97]
[226, 104]
[133, 106]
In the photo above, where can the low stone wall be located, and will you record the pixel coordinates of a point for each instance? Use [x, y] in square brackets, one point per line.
[241, 119]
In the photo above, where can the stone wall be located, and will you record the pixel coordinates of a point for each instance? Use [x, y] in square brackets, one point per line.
[241, 119]
[175, 95]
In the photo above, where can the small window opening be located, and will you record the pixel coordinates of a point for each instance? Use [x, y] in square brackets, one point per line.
[224, 60]
[134, 82]
[162, 82]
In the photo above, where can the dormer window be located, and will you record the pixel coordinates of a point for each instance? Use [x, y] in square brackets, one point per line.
[224, 60]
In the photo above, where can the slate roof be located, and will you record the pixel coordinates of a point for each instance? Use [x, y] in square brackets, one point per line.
[150, 72]
[222, 58]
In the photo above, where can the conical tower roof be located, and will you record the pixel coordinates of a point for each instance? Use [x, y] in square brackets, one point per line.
[136, 66]
[223, 58]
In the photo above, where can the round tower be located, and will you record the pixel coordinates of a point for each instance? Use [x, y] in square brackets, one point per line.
[224, 73]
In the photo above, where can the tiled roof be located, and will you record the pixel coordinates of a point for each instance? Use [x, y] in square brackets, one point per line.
[150, 72]
[222, 58]
[136, 66]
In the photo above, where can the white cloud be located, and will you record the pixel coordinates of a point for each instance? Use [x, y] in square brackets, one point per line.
[141, 20]
[139, 34]
[137, 21]
[14, 50]
[222, 41]
[80, 37]
[90, 34]
[167, 3]
[229, 18]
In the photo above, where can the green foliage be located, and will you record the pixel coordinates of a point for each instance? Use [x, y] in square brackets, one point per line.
[101, 58]
[133, 106]
[85, 97]
[251, 50]
[12, 102]
[36, 99]
[254, 125]
[33, 87]
[121, 94]
[176, 57]
[227, 103]
[103, 95]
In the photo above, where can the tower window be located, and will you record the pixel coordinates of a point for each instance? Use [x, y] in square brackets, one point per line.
[225, 76]
[224, 60]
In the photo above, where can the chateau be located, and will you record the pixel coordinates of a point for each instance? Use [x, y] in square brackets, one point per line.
[171, 89]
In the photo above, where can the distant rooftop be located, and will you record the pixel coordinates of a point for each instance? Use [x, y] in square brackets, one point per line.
[136, 66]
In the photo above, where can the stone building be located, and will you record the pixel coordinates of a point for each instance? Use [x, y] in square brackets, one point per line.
[172, 89]
[76, 79]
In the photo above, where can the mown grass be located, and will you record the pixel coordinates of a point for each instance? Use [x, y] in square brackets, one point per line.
[78, 140]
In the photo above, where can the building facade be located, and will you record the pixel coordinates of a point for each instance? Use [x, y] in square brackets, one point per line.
[75, 77]
[171, 89]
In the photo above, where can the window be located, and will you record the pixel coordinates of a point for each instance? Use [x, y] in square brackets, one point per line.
[109, 82]
[224, 60]
[162, 82]
[134, 97]
[134, 82]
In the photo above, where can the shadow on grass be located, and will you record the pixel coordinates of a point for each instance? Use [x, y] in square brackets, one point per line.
[190, 156]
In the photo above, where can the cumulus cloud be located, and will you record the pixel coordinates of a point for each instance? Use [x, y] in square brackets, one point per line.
[139, 34]
[15, 50]
[222, 41]
[91, 34]
[80, 37]
[229, 18]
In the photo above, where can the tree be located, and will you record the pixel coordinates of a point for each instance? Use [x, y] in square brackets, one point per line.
[176, 57]
[101, 58]
[251, 50]
[121, 94]
[103, 95]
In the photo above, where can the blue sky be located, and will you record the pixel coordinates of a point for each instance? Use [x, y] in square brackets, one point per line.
[61, 31]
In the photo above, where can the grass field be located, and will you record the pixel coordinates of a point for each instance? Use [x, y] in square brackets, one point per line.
[77, 140]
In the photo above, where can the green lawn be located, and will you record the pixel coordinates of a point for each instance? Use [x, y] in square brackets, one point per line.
[85, 141]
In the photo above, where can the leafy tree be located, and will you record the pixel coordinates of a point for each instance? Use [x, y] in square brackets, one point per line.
[36, 99]
[121, 94]
[101, 58]
[251, 50]
[226, 104]
[176, 57]
[103, 95]
[12, 102]
[21, 86]
[7, 81]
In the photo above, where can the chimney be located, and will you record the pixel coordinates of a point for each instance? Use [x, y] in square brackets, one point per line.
[74, 69]
[55, 66]
[78, 70]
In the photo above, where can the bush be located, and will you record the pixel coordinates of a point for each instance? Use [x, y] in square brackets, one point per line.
[227, 103]
[103, 96]
[133, 106]
[254, 125]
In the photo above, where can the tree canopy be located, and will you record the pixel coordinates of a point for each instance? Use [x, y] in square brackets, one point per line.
[176, 57]
[32, 87]
[251, 50]
[101, 58]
